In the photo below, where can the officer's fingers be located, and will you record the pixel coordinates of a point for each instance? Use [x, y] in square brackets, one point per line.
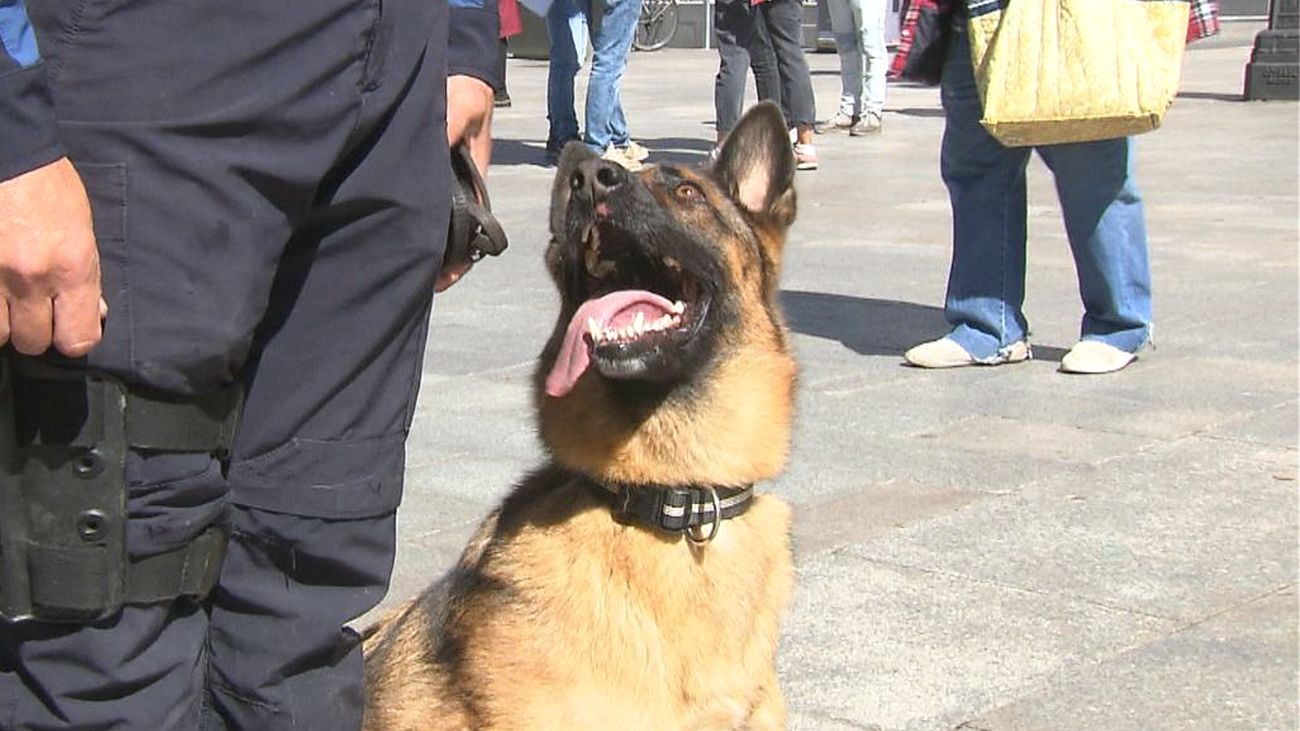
[77, 326]
[451, 274]
[31, 323]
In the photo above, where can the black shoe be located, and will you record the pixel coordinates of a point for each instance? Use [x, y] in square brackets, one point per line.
[555, 149]
[501, 99]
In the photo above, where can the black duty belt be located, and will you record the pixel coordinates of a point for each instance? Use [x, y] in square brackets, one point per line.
[64, 436]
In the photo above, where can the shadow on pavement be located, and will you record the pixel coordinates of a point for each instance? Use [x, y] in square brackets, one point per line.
[871, 326]
[679, 150]
[864, 325]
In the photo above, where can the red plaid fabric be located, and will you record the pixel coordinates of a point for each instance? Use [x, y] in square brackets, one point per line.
[922, 41]
[1204, 20]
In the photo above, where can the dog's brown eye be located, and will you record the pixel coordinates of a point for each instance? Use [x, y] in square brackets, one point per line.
[688, 191]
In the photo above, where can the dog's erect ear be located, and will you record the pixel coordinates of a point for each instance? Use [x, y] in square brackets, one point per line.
[756, 164]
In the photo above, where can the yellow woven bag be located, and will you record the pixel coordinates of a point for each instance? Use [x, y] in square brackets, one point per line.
[1055, 71]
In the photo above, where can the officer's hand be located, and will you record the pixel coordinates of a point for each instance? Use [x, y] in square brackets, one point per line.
[469, 120]
[469, 117]
[49, 265]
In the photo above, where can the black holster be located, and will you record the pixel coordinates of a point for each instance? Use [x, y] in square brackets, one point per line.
[64, 436]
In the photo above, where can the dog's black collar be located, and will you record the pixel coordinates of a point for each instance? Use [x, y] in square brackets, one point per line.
[696, 511]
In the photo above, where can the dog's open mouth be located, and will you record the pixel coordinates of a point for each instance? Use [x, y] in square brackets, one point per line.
[638, 315]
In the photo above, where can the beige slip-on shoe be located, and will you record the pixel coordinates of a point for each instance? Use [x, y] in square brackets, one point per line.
[946, 353]
[1094, 356]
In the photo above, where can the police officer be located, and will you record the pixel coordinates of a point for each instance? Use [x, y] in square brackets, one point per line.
[264, 188]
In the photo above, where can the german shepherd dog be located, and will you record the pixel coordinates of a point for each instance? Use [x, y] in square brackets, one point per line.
[635, 581]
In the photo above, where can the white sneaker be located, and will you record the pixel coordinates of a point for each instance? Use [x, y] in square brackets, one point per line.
[805, 157]
[946, 353]
[1094, 356]
[841, 122]
[869, 124]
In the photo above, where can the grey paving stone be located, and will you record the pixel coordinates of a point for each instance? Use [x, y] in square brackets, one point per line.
[905, 648]
[1183, 531]
[866, 512]
[1233, 672]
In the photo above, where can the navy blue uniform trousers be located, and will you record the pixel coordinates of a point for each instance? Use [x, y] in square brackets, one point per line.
[270, 187]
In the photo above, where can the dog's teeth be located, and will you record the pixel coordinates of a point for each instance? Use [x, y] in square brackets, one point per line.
[638, 324]
[594, 327]
[678, 307]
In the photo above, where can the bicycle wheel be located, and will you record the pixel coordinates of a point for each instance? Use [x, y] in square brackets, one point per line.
[656, 26]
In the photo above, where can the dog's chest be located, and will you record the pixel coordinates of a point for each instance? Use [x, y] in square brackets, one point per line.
[626, 619]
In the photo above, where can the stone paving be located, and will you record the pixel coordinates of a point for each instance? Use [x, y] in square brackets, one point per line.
[989, 549]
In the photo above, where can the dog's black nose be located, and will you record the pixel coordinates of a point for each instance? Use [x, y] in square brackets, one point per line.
[595, 179]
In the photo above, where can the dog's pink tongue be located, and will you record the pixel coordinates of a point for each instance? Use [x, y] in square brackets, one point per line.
[613, 310]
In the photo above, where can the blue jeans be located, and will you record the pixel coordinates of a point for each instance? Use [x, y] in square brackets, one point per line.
[569, 24]
[1104, 221]
[859, 27]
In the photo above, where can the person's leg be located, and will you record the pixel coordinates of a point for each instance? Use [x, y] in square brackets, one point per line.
[762, 60]
[733, 63]
[871, 19]
[752, 35]
[845, 15]
[869, 29]
[566, 28]
[785, 30]
[144, 669]
[501, 97]
[281, 656]
[1106, 225]
[986, 186]
[316, 471]
[195, 178]
[611, 45]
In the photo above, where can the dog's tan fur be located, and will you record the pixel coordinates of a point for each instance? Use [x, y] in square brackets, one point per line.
[557, 616]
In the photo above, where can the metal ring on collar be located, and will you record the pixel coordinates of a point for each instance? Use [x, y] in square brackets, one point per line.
[692, 531]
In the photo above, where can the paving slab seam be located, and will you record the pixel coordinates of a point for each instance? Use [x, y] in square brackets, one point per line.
[1142, 449]
[445, 529]
[848, 722]
[1245, 602]
[526, 365]
[1045, 682]
[1174, 622]
[1137, 451]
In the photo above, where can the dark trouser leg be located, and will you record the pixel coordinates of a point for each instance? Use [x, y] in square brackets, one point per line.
[254, 195]
[729, 20]
[144, 669]
[762, 61]
[319, 458]
[785, 30]
[503, 48]
[742, 43]
[280, 655]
